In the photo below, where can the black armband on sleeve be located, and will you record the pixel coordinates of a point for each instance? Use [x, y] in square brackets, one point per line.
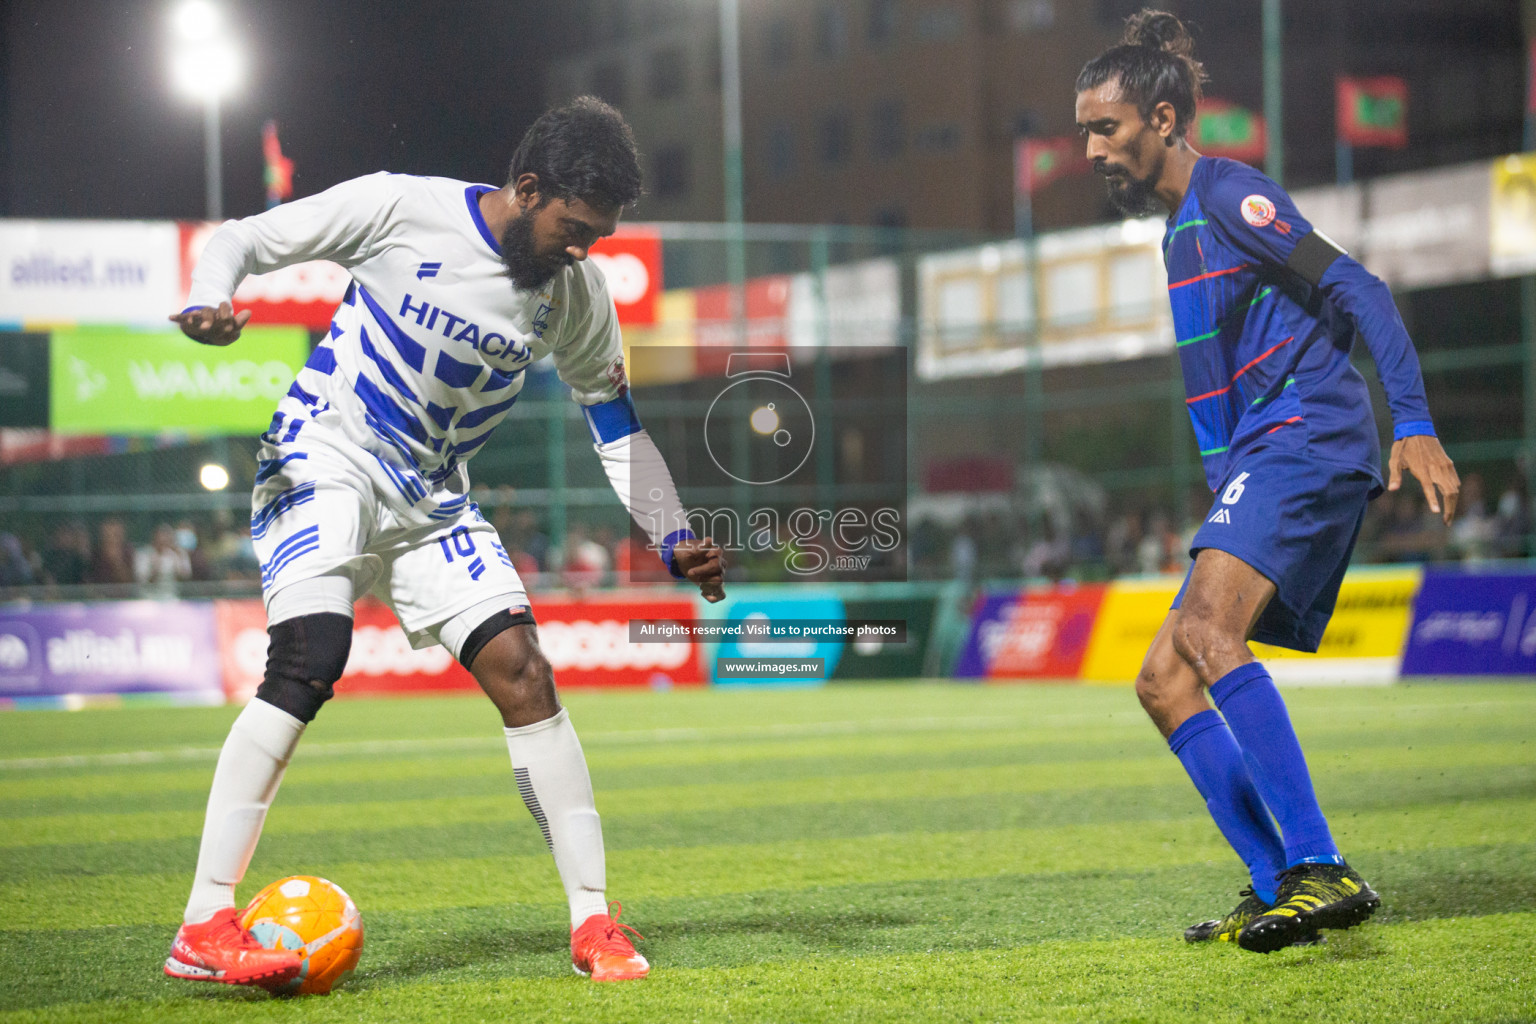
[1312, 257]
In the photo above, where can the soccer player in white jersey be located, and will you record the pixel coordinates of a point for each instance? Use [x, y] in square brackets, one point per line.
[361, 485]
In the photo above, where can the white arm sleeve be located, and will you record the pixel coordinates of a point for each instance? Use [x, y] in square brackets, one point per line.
[590, 356]
[640, 477]
[338, 225]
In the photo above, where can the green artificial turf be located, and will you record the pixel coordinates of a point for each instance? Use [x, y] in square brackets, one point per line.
[870, 852]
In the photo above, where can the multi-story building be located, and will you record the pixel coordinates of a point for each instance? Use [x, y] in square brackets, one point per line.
[885, 112]
[904, 112]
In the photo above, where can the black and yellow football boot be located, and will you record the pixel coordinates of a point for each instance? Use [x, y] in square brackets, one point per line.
[1311, 897]
[1226, 929]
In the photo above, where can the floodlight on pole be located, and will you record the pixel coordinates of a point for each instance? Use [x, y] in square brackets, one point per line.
[213, 477]
[205, 66]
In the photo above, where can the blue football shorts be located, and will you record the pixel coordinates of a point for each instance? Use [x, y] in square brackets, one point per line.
[1295, 519]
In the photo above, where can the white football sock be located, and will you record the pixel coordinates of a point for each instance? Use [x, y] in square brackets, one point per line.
[551, 774]
[250, 767]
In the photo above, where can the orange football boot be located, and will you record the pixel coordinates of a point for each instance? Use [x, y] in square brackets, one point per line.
[218, 949]
[601, 951]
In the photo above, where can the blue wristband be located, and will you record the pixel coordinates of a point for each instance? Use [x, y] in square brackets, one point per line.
[1413, 428]
[669, 542]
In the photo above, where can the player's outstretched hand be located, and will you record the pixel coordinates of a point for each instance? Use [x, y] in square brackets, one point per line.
[703, 563]
[212, 326]
[1422, 456]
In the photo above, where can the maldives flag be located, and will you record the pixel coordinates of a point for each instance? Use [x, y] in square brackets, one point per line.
[279, 170]
[1226, 129]
[1038, 162]
[1373, 111]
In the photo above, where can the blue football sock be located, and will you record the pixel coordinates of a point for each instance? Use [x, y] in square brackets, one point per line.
[1204, 745]
[1253, 709]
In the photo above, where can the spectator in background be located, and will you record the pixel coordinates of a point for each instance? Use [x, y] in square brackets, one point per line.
[1412, 533]
[15, 567]
[530, 539]
[232, 556]
[1474, 531]
[114, 559]
[1152, 552]
[67, 558]
[586, 560]
[1087, 541]
[927, 547]
[187, 540]
[525, 545]
[162, 564]
[1122, 543]
[962, 553]
[1512, 521]
[629, 552]
[1049, 556]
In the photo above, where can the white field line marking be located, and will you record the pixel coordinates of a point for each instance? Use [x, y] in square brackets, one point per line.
[783, 730]
[790, 730]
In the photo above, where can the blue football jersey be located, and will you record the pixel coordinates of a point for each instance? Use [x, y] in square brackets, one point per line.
[1265, 353]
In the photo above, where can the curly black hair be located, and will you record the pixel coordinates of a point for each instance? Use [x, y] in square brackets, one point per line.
[583, 150]
[1154, 63]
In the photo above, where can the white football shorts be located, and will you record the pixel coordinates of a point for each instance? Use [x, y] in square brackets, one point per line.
[320, 514]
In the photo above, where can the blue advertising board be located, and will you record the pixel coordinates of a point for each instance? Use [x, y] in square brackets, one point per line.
[113, 647]
[1473, 623]
[768, 605]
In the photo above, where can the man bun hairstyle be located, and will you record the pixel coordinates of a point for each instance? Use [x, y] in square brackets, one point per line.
[1154, 63]
[583, 150]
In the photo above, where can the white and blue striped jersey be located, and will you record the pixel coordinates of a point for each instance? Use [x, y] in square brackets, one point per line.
[428, 350]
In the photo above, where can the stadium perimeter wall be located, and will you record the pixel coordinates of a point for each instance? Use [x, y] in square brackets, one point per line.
[1391, 623]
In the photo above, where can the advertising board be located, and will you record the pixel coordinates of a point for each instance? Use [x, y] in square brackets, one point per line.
[304, 294]
[876, 659]
[1130, 615]
[1364, 640]
[586, 642]
[630, 260]
[1037, 633]
[768, 605]
[87, 272]
[1512, 214]
[107, 380]
[52, 650]
[1473, 623]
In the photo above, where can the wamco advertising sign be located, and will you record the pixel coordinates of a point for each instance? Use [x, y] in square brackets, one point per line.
[114, 381]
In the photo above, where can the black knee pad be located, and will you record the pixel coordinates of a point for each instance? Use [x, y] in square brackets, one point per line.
[305, 657]
[489, 630]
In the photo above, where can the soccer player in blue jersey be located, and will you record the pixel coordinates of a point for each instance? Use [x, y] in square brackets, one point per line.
[1266, 310]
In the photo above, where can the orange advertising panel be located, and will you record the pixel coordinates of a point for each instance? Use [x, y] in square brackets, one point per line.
[587, 643]
[303, 294]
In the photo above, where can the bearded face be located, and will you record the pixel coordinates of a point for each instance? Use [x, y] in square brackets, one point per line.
[1130, 194]
[529, 270]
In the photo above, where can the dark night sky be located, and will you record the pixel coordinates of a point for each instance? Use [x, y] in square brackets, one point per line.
[90, 126]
